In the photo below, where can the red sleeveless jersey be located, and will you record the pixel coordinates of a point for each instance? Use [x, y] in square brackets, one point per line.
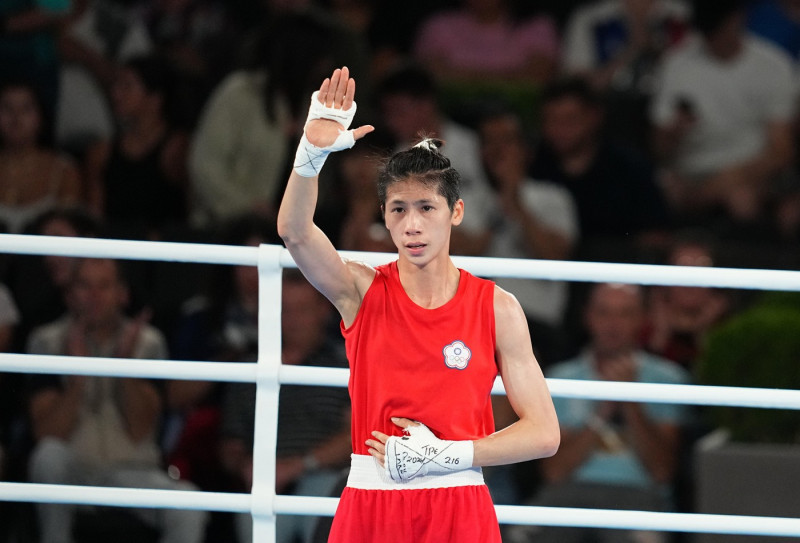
[436, 366]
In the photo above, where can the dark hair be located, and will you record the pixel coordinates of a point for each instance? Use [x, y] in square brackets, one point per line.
[158, 77]
[85, 225]
[407, 79]
[424, 163]
[709, 15]
[45, 136]
[153, 71]
[692, 237]
[572, 87]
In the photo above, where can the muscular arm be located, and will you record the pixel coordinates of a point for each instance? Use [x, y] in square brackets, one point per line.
[342, 282]
[535, 434]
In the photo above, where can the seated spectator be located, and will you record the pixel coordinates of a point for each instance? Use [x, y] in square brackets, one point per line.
[314, 441]
[723, 118]
[220, 324]
[535, 219]
[98, 36]
[482, 40]
[100, 430]
[616, 45]
[33, 177]
[408, 106]
[777, 21]
[613, 186]
[137, 181]
[680, 317]
[620, 455]
[199, 36]
[240, 149]
[40, 283]
[28, 36]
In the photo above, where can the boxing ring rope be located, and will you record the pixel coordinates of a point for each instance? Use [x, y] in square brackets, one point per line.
[269, 374]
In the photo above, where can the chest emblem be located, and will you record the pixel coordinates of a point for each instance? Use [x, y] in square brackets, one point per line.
[457, 355]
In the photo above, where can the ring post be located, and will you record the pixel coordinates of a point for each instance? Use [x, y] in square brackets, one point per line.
[267, 392]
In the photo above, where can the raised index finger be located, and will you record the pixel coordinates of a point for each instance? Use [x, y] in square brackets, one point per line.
[323, 90]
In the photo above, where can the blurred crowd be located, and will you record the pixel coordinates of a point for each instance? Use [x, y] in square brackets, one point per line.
[647, 131]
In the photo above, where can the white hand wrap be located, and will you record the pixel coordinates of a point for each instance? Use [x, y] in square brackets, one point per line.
[309, 158]
[422, 453]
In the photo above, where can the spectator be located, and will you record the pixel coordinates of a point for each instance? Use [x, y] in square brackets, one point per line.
[616, 43]
[680, 317]
[408, 106]
[313, 422]
[722, 117]
[40, 283]
[239, 152]
[535, 219]
[28, 37]
[220, 325]
[613, 455]
[137, 180]
[99, 36]
[199, 36]
[100, 430]
[482, 40]
[34, 178]
[613, 186]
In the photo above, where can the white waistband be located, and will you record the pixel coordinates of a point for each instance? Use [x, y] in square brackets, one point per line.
[367, 474]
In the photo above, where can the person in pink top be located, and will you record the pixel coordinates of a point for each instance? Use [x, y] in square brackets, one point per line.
[483, 39]
[425, 341]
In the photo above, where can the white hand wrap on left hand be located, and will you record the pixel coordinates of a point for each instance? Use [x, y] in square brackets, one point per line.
[422, 453]
[309, 158]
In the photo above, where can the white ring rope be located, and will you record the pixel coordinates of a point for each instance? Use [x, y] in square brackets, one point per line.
[310, 505]
[268, 374]
[246, 372]
[595, 272]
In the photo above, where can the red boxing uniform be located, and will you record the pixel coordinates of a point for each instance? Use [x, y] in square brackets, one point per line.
[436, 366]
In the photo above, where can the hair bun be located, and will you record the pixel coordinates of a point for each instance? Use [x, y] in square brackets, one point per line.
[429, 144]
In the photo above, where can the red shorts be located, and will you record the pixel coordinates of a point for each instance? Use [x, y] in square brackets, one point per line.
[463, 514]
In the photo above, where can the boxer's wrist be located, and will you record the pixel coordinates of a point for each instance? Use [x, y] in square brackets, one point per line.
[309, 158]
[421, 453]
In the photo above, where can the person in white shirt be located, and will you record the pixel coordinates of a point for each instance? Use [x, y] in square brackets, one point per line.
[722, 116]
[533, 219]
